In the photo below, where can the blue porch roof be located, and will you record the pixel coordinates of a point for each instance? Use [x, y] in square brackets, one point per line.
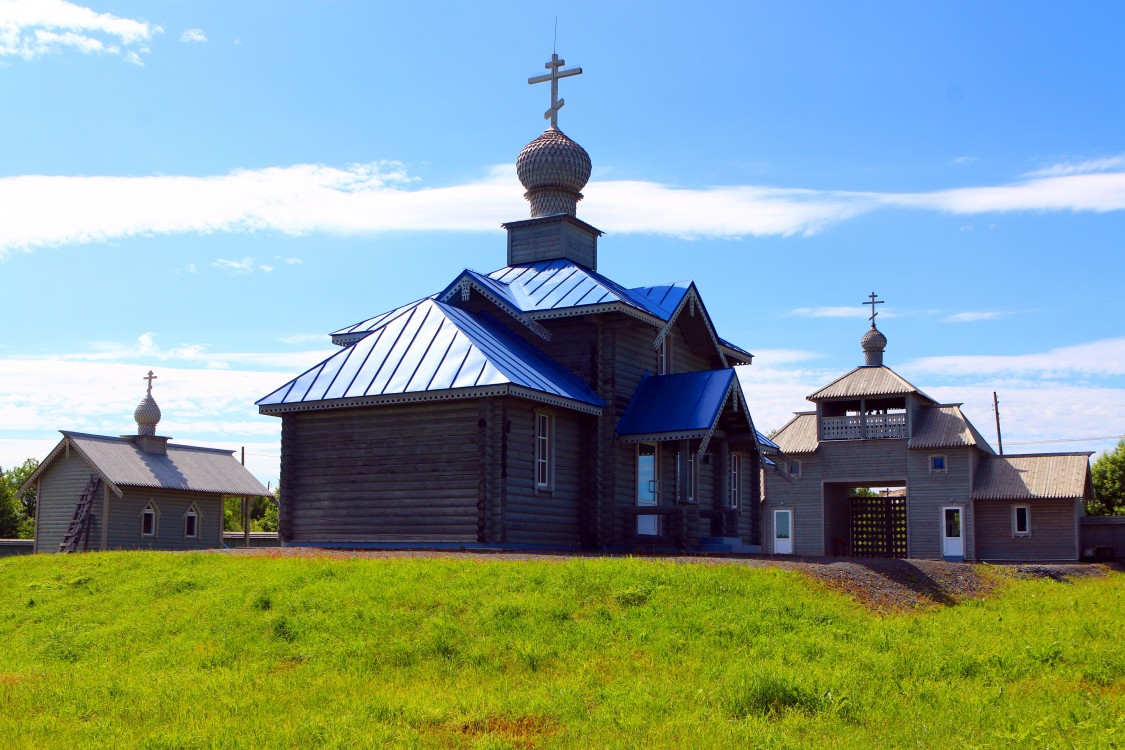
[677, 406]
[428, 347]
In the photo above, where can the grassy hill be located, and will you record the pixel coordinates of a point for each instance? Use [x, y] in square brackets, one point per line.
[156, 650]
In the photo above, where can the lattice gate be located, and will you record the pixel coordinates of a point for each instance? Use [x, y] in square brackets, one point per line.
[878, 527]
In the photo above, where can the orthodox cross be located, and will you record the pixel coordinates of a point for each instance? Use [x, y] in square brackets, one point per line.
[149, 378]
[555, 63]
[873, 302]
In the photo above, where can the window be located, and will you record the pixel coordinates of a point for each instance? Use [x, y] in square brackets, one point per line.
[937, 464]
[794, 468]
[191, 523]
[692, 479]
[1021, 520]
[735, 489]
[664, 365]
[149, 520]
[544, 451]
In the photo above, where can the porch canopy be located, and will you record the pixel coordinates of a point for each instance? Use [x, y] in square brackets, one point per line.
[684, 406]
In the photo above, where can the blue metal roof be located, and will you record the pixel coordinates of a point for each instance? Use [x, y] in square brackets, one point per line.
[680, 403]
[765, 442]
[428, 346]
[561, 284]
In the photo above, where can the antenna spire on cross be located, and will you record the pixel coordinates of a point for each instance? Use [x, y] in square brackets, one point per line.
[150, 377]
[553, 65]
[873, 302]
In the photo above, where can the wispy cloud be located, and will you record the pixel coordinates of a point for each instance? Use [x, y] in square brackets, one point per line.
[381, 196]
[193, 36]
[145, 349]
[244, 266]
[1096, 358]
[1104, 164]
[974, 316]
[854, 311]
[30, 29]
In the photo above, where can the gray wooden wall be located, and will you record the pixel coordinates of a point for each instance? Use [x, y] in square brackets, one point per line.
[1054, 531]
[397, 472]
[59, 488]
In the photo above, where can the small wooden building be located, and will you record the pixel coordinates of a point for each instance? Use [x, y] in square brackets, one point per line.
[951, 497]
[96, 492]
[541, 404]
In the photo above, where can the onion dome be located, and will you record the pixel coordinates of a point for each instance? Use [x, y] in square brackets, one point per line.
[147, 413]
[553, 169]
[873, 343]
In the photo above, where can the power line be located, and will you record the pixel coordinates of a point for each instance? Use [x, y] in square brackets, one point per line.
[1066, 440]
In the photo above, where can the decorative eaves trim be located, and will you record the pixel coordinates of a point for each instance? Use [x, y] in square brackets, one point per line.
[691, 300]
[467, 282]
[416, 397]
[66, 444]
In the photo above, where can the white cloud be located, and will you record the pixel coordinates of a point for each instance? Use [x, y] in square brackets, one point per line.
[1097, 358]
[193, 36]
[30, 29]
[244, 266]
[832, 312]
[1085, 166]
[146, 350]
[380, 196]
[973, 316]
[1077, 192]
[201, 407]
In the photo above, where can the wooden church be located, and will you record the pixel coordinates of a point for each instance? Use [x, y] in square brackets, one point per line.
[944, 492]
[541, 404]
[142, 491]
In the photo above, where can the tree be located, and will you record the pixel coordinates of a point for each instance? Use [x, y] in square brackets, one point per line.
[1108, 474]
[17, 510]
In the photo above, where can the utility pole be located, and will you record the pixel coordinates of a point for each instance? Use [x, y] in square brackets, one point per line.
[996, 411]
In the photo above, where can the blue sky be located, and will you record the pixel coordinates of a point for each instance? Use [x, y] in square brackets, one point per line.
[206, 189]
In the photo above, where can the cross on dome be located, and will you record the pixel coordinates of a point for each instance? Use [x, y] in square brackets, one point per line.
[553, 65]
[873, 302]
[150, 377]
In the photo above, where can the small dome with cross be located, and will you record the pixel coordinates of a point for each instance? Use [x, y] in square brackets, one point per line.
[553, 169]
[147, 413]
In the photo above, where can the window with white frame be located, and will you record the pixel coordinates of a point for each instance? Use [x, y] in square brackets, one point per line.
[544, 450]
[937, 464]
[191, 523]
[734, 489]
[1021, 520]
[149, 519]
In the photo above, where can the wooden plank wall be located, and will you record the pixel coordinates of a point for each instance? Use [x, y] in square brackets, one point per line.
[124, 528]
[1054, 530]
[397, 472]
[59, 488]
[531, 515]
[928, 492]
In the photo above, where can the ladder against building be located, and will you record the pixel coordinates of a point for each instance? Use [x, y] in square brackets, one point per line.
[79, 529]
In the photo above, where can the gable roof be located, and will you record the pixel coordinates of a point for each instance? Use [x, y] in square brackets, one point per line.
[945, 426]
[121, 463]
[1038, 476]
[432, 351]
[867, 380]
[798, 435]
[680, 406]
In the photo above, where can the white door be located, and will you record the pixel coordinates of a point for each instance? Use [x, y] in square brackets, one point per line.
[783, 532]
[953, 533]
[648, 487]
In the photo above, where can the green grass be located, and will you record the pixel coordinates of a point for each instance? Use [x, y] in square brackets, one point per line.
[154, 650]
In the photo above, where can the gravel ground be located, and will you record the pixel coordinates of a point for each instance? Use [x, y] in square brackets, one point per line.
[882, 585]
